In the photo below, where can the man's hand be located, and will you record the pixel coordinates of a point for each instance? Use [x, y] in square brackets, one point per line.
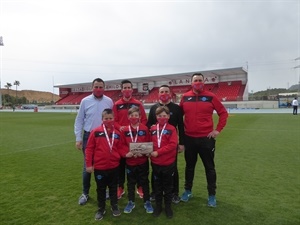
[122, 128]
[213, 134]
[78, 145]
[180, 148]
[89, 169]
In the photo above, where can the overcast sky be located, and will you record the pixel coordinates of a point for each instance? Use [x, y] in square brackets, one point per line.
[66, 42]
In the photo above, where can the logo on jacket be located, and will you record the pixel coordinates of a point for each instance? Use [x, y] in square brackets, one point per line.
[134, 105]
[141, 133]
[166, 132]
[204, 99]
[116, 136]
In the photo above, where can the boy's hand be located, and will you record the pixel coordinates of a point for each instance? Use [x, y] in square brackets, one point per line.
[89, 169]
[129, 155]
[139, 155]
[154, 154]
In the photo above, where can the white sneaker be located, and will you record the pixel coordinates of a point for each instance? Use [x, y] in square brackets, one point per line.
[83, 199]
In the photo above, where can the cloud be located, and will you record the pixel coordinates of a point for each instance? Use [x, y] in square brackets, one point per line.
[75, 41]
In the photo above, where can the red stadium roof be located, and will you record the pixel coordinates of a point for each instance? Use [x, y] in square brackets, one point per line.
[165, 77]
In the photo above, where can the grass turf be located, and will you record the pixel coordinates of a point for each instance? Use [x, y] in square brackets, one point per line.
[257, 163]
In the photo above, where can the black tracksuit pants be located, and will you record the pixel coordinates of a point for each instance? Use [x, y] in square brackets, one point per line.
[138, 175]
[106, 178]
[163, 183]
[175, 190]
[205, 148]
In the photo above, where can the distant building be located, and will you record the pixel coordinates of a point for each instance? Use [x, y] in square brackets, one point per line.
[229, 84]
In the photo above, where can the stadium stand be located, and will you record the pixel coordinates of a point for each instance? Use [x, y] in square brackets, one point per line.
[228, 91]
[151, 97]
[180, 89]
[229, 84]
[68, 100]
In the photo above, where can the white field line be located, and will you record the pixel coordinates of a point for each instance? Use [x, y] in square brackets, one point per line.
[257, 130]
[37, 148]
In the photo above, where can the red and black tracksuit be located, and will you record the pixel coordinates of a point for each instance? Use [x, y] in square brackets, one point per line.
[176, 119]
[105, 162]
[120, 110]
[163, 166]
[198, 123]
[137, 169]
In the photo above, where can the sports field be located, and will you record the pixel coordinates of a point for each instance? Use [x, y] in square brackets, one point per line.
[257, 162]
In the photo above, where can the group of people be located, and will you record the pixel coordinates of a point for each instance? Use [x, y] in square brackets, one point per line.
[104, 131]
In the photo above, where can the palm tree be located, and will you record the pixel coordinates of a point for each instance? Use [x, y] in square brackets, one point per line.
[8, 86]
[17, 83]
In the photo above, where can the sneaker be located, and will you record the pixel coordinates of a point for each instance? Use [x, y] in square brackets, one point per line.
[212, 202]
[148, 207]
[186, 196]
[157, 211]
[120, 192]
[169, 212]
[115, 210]
[99, 215]
[83, 199]
[152, 197]
[175, 199]
[107, 195]
[129, 207]
[139, 191]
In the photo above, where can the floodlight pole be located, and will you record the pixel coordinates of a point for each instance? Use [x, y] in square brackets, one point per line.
[298, 67]
[1, 44]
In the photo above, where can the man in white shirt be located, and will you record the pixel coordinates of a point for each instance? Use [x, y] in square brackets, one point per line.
[295, 104]
[88, 118]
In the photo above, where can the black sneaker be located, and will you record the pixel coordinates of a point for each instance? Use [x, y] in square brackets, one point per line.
[152, 197]
[169, 212]
[115, 210]
[157, 211]
[99, 215]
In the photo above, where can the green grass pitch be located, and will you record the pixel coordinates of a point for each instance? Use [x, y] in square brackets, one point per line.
[257, 163]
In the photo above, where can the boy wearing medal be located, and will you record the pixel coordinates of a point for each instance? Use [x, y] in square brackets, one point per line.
[165, 140]
[120, 110]
[103, 158]
[137, 165]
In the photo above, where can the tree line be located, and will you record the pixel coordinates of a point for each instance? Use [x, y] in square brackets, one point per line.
[9, 100]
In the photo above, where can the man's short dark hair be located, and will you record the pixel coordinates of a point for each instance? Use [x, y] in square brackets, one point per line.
[197, 74]
[125, 82]
[164, 85]
[98, 80]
